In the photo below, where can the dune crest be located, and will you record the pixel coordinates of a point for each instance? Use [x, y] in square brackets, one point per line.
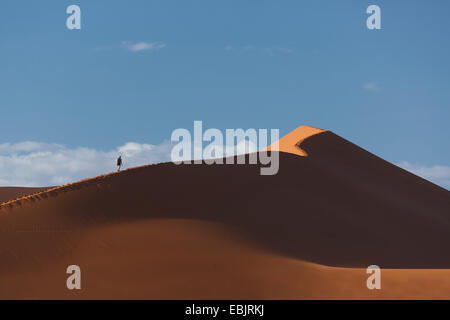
[11, 193]
[291, 142]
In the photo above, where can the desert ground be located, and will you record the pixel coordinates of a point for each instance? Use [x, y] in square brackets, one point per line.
[169, 231]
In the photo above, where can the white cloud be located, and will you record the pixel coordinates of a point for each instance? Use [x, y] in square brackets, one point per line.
[43, 164]
[37, 164]
[440, 175]
[143, 46]
[241, 147]
[371, 86]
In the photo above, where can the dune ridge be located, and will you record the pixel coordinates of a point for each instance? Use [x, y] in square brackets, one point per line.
[291, 142]
[11, 193]
[44, 193]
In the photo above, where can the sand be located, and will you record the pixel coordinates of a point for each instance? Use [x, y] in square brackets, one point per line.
[11, 193]
[224, 231]
[291, 143]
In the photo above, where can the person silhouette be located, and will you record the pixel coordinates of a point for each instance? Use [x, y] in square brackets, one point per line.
[119, 163]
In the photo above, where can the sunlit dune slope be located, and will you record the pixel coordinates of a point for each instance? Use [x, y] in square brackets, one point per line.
[291, 142]
[193, 259]
[225, 231]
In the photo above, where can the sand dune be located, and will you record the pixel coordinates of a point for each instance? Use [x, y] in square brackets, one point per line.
[224, 231]
[11, 193]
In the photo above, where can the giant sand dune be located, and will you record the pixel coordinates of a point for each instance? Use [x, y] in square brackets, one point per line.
[226, 232]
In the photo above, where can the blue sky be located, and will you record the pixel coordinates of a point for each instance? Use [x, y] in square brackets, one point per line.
[231, 64]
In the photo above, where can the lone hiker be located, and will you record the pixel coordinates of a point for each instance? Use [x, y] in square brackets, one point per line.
[119, 163]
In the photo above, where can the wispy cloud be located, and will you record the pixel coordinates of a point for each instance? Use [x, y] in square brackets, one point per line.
[35, 164]
[437, 174]
[371, 86]
[239, 48]
[277, 50]
[44, 164]
[274, 50]
[143, 46]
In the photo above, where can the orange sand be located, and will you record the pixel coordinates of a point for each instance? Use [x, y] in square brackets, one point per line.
[291, 142]
[224, 231]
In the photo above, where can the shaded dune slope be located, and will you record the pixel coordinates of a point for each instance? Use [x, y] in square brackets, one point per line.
[339, 206]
